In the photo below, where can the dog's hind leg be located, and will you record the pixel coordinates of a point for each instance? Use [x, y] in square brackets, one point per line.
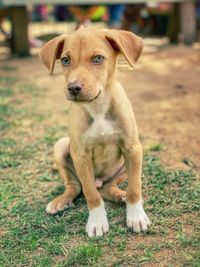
[112, 192]
[67, 172]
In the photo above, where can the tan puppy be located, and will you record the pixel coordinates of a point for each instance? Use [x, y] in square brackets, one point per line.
[102, 129]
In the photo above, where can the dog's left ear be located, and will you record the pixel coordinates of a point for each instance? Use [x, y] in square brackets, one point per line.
[127, 43]
[52, 51]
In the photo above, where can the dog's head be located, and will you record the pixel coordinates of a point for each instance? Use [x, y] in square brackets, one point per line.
[88, 58]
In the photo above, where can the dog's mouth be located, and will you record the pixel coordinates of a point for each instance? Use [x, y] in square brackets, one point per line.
[80, 99]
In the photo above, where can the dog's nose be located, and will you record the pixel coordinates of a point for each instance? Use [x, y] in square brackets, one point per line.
[74, 88]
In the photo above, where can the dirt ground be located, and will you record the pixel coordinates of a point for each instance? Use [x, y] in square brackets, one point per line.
[165, 93]
[164, 90]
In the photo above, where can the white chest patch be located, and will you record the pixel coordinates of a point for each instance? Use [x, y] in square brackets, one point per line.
[100, 127]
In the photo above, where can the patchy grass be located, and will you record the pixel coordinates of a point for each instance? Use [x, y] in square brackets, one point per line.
[83, 255]
[31, 238]
[156, 147]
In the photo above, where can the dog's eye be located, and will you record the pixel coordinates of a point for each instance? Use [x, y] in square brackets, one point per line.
[65, 61]
[97, 59]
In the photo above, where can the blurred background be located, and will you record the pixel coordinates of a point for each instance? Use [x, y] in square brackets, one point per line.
[27, 24]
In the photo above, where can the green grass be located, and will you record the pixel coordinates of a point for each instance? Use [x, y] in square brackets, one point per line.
[156, 147]
[84, 255]
[31, 238]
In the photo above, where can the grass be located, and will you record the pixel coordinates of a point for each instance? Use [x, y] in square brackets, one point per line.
[156, 147]
[31, 238]
[85, 255]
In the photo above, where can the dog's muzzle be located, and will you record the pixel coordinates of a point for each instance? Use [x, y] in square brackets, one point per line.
[75, 94]
[74, 89]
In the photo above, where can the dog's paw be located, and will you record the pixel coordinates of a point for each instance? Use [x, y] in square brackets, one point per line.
[121, 196]
[136, 217]
[97, 224]
[58, 204]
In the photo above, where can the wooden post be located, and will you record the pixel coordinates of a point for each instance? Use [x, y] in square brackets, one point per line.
[188, 21]
[19, 39]
[173, 27]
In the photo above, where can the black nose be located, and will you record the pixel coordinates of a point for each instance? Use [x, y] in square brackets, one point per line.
[74, 88]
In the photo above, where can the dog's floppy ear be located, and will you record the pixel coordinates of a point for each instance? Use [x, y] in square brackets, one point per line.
[52, 51]
[127, 43]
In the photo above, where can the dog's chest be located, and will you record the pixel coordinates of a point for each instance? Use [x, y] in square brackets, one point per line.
[101, 130]
[101, 127]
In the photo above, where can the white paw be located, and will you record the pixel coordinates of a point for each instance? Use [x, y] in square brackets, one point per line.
[57, 205]
[97, 224]
[136, 217]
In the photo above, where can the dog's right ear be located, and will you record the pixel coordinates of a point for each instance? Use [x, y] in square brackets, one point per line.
[52, 50]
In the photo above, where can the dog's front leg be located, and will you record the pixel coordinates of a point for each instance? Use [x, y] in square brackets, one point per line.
[97, 223]
[136, 217]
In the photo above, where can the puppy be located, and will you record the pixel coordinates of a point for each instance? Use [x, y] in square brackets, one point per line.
[103, 147]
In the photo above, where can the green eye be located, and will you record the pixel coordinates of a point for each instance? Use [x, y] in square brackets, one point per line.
[65, 61]
[97, 59]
